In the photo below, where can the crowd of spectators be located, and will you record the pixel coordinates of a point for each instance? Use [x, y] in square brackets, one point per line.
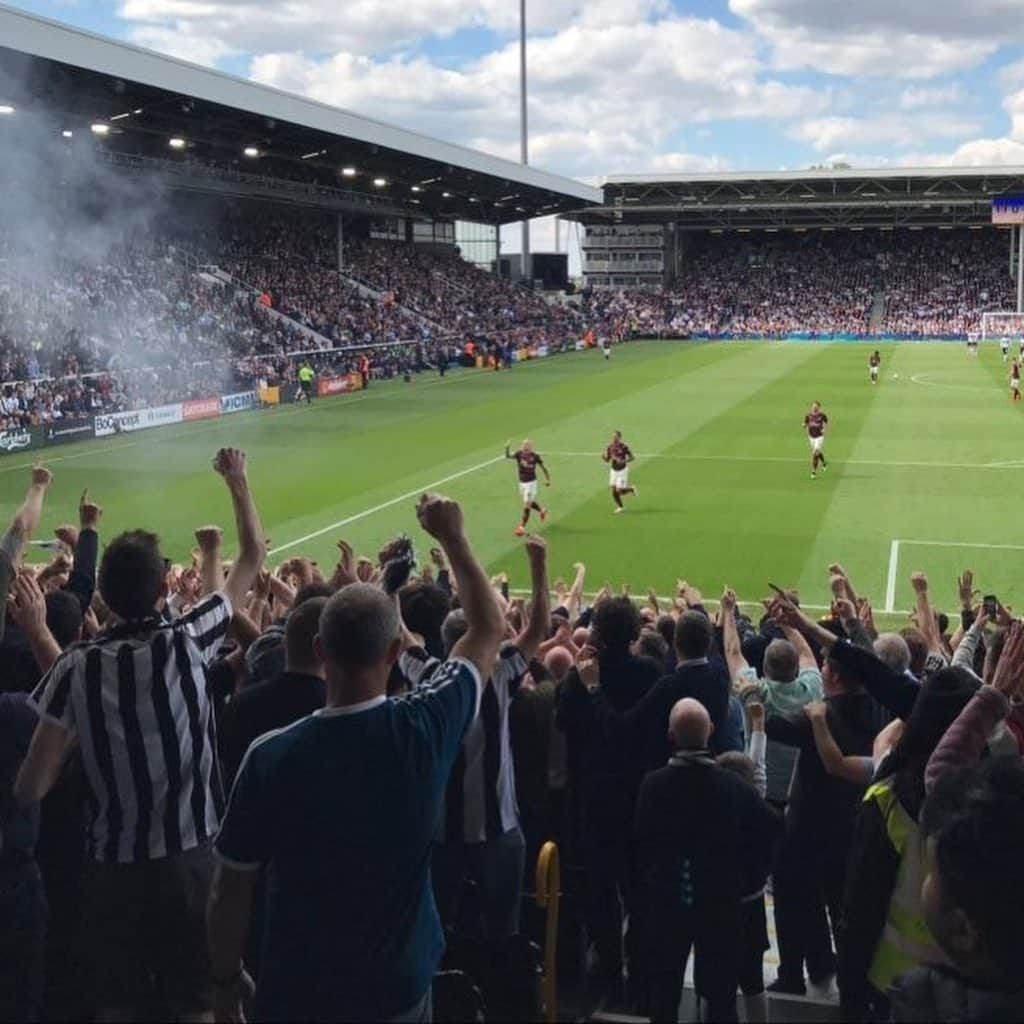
[159, 321]
[285, 790]
[914, 284]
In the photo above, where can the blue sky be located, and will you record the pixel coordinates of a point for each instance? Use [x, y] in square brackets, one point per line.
[629, 86]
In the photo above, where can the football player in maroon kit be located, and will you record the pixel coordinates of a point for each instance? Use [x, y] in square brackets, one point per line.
[874, 365]
[1015, 381]
[816, 423]
[618, 456]
[527, 462]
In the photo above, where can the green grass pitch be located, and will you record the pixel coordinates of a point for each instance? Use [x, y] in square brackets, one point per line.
[933, 457]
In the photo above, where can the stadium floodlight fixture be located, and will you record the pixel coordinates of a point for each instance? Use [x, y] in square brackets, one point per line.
[348, 172]
[6, 109]
[176, 143]
[67, 133]
[316, 152]
[121, 117]
[99, 128]
[251, 151]
[416, 188]
[380, 182]
[446, 195]
[473, 199]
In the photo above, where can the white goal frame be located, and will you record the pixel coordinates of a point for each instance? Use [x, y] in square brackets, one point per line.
[996, 326]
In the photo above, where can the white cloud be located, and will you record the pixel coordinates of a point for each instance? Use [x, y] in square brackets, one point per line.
[681, 162]
[359, 26]
[898, 130]
[607, 96]
[910, 39]
[916, 97]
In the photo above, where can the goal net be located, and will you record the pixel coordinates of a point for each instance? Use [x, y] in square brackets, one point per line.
[995, 326]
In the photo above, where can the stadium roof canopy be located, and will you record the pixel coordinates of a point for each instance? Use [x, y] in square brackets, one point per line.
[301, 146]
[826, 198]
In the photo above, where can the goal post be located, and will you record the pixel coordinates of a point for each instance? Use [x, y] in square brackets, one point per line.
[996, 326]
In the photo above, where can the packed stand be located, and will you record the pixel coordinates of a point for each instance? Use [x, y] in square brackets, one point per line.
[915, 284]
[240, 785]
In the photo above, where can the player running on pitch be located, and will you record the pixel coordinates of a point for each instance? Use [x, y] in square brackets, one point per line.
[875, 366]
[1015, 381]
[527, 461]
[618, 456]
[816, 423]
[1004, 347]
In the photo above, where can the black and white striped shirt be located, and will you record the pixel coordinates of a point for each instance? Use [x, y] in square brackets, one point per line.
[480, 801]
[136, 701]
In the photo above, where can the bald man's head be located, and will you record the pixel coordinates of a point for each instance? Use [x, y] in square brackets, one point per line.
[689, 725]
[558, 661]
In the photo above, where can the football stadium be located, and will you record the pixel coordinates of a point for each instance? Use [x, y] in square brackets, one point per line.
[403, 628]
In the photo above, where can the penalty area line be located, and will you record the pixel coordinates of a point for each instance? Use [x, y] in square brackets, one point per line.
[415, 493]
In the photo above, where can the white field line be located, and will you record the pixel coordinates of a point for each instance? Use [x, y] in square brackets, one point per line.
[386, 504]
[894, 559]
[789, 458]
[890, 584]
[962, 544]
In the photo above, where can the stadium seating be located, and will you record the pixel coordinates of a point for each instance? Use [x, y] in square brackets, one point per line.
[145, 324]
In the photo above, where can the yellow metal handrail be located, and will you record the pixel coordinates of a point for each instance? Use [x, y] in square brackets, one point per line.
[549, 895]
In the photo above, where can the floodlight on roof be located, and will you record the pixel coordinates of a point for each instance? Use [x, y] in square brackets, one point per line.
[67, 133]
[251, 151]
[176, 143]
[380, 182]
[99, 128]
[348, 172]
[6, 109]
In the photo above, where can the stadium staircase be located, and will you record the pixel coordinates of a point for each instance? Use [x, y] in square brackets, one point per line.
[315, 338]
[380, 296]
[877, 315]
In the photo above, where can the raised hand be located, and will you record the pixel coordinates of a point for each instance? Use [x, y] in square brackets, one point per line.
[588, 667]
[816, 711]
[27, 605]
[209, 539]
[844, 609]
[230, 463]
[41, 477]
[919, 581]
[965, 587]
[67, 534]
[346, 568]
[756, 714]
[89, 513]
[440, 517]
[536, 549]
[1008, 677]
[728, 602]
[691, 595]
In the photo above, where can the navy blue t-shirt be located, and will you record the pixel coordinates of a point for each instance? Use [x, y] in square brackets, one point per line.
[342, 808]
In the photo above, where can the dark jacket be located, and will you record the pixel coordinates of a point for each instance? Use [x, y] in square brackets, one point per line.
[929, 994]
[261, 708]
[644, 727]
[601, 769]
[822, 807]
[894, 691]
[700, 831]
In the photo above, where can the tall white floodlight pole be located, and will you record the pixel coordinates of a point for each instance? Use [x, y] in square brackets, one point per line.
[1020, 268]
[523, 149]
